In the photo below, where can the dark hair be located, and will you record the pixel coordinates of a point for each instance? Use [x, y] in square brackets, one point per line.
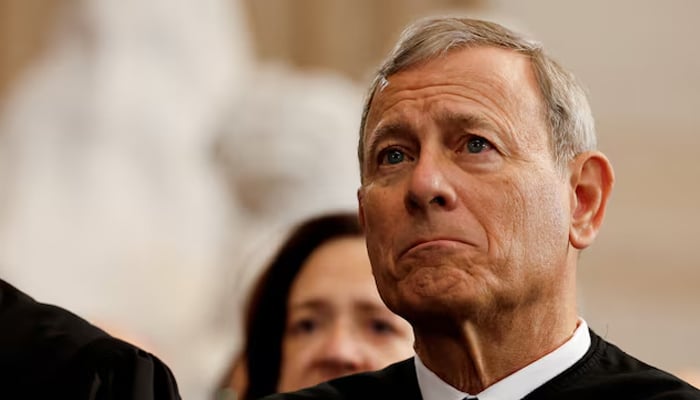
[266, 314]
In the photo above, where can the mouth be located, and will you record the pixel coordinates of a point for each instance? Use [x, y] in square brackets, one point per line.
[439, 242]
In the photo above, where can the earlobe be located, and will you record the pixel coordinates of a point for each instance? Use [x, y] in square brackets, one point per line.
[592, 180]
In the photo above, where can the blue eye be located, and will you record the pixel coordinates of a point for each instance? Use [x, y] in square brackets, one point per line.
[477, 144]
[393, 156]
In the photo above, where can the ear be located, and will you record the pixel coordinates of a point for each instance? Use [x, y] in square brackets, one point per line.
[360, 209]
[592, 181]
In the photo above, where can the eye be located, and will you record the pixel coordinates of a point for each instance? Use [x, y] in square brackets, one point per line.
[477, 144]
[303, 326]
[392, 156]
[382, 327]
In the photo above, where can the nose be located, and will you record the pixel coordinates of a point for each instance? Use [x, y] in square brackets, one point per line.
[430, 186]
[342, 352]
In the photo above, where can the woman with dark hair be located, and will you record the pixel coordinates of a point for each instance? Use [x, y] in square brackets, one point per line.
[315, 313]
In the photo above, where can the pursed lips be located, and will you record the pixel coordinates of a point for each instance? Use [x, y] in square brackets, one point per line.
[432, 241]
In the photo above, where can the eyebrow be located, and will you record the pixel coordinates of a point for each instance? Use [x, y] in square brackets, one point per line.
[394, 129]
[446, 117]
[371, 307]
[321, 305]
[312, 304]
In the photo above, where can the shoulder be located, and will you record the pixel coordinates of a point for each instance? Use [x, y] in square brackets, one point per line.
[607, 372]
[110, 368]
[639, 379]
[395, 381]
[41, 333]
[51, 349]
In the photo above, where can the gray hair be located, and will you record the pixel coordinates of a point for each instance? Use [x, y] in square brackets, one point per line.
[572, 130]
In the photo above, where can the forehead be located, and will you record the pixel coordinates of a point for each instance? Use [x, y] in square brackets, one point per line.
[495, 81]
[336, 271]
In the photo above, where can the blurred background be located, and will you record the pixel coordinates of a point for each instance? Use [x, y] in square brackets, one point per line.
[154, 152]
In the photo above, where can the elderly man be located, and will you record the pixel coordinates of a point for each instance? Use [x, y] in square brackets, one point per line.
[481, 184]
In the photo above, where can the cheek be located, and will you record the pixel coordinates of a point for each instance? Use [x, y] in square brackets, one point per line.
[377, 205]
[383, 350]
[402, 348]
[295, 354]
[498, 207]
[539, 221]
[297, 358]
[547, 206]
[388, 354]
[527, 214]
[380, 224]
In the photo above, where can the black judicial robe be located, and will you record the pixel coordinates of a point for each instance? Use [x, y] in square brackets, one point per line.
[604, 373]
[47, 352]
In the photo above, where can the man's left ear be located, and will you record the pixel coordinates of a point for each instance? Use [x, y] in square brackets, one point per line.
[591, 181]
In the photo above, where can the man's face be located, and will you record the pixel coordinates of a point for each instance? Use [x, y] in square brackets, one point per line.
[464, 208]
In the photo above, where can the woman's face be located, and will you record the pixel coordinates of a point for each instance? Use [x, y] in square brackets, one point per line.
[336, 322]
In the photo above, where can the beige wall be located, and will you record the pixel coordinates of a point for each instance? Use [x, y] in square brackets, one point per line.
[342, 35]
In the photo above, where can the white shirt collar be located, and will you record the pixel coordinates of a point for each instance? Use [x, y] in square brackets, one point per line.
[518, 384]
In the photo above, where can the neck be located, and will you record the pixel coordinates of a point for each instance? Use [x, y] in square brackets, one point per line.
[473, 355]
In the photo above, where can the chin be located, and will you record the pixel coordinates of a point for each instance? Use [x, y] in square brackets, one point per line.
[433, 307]
[439, 285]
